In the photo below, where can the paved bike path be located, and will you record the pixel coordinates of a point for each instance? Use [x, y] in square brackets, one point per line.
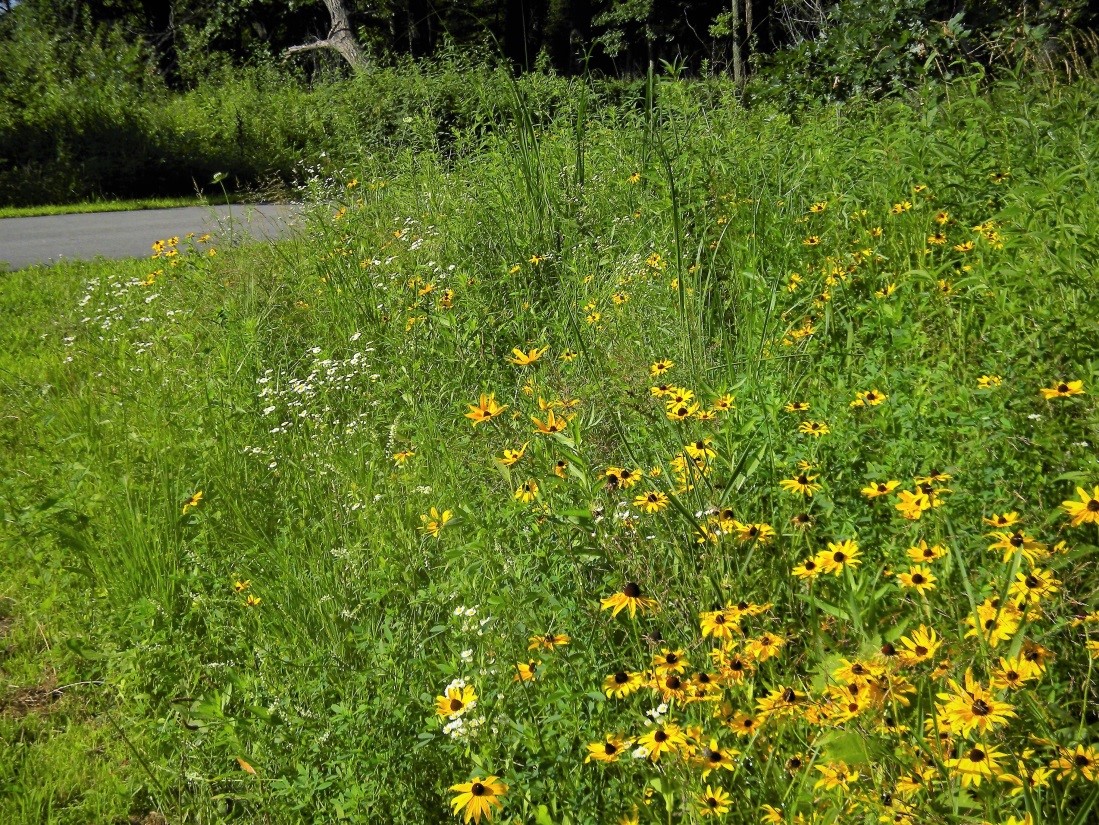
[51, 238]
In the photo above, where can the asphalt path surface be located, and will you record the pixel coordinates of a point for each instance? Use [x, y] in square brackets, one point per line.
[52, 238]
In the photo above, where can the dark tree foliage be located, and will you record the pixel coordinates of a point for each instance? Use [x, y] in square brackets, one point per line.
[188, 38]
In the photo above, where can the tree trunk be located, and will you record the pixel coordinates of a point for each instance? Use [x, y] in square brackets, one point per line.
[340, 38]
[738, 65]
[747, 35]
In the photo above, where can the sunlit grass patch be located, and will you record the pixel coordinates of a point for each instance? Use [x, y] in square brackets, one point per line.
[531, 490]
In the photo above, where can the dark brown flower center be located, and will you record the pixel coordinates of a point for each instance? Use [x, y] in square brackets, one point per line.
[839, 557]
[671, 659]
[858, 669]
[918, 578]
[673, 683]
[631, 590]
[1032, 581]
[456, 704]
[1017, 540]
[621, 677]
[736, 665]
[976, 755]
[788, 695]
[882, 488]
[921, 650]
[1081, 760]
[888, 649]
[1093, 505]
[981, 708]
[610, 749]
[1062, 387]
[803, 479]
[660, 736]
[478, 789]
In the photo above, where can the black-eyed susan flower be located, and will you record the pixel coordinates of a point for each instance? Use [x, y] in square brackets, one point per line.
[193, 503]
[652, 502]
[485, 409]
[433, 522]
[758, 532]
[869, 398]
[816, 428]
[1018, 542]
[994, 621]
[1081, 761]
[527, 491]
[919, 578]
[879, 488]
[561, 468]
[1063, 389]
[663, 739]
[913, 504]
[714, 757]
[401, 457]
[549, 641]
[1001, 519]
[920, 646]
[609, 750]
[240, 586]
[922, 553]
[797, 407]
[1014, 672]
[839, 556]
[973, 707]
[812, 240]
[621, 684]
[670, 686]
[252, 601]
[713, 802]
[660, 367]
[511, 456]
[479, 798]
[808, 569]
[801, 521]
[1084, 511]
[724, 403]
[525, 671]
[772, 815]
[987, 382]
[670, 661]
[803, 484]
[629, 598]
[717, 623]
[525, 359]
[1031, 588]
[457, 699]
[835, 775]
[552, 424]
[975, 764]
[763, 647]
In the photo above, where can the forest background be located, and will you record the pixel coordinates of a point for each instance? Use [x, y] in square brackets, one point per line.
[137, 98]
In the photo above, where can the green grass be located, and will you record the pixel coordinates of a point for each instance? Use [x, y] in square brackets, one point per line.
[315, 392]
[101, 206]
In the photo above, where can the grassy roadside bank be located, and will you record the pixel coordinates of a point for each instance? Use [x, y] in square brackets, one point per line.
[103, 206]
[455, 487]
